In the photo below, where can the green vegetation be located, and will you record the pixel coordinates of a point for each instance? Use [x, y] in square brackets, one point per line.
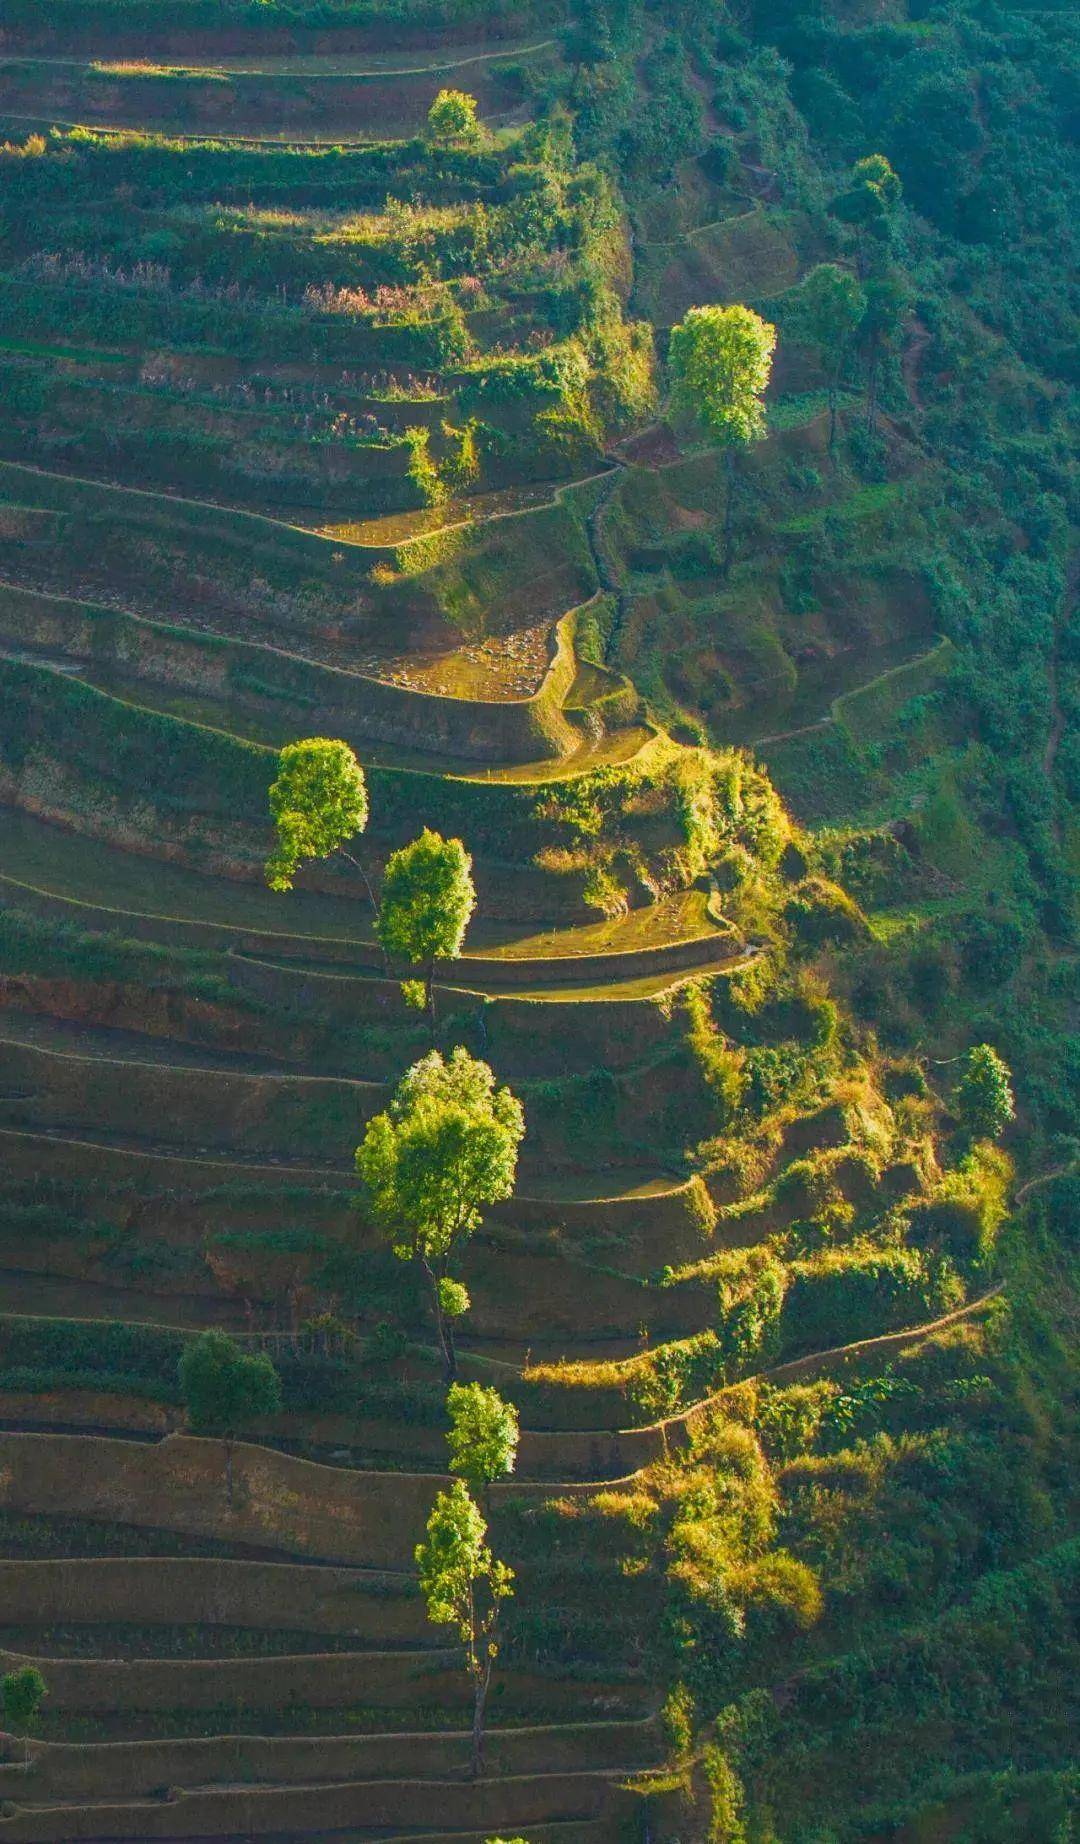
[428, 896]
[446, 1148]
[452, 117]
[22, 1694]
[224, 1389]
[984, 1097]
[721, 360]
[483, 1437]
[464, 1586]
[317, 802]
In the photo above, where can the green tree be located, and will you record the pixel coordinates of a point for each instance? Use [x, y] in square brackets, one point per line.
[869, 203]
[452, 117]
[318, 803]
[464, 1587]
[22, 1693]
[721, 362]
[870, 196]
[483, 1437]
[830, 305]
[224, 1389]
[888, 303]
[983, 1097]
[427, 899]
[446, 1146]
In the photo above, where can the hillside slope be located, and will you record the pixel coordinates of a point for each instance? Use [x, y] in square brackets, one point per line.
[320, 423]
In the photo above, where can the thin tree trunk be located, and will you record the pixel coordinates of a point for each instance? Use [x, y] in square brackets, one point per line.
[229, 1474]
[364, 878]
[729, 509]
[834, 386]
[483, 1682]
[871, 394]
[443, 1334]
[431, 993]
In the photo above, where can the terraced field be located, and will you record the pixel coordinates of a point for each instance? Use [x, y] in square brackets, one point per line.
[315, 427]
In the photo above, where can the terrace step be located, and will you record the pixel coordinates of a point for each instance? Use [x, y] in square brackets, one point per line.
[148, 1171]
[347, 1810]
[334, 99]
[70, 877]
[135, 1770]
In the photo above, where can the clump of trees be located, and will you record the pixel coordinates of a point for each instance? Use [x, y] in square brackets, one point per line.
[721, 362]
[465, 1586]
[983, 1097]
[446, 1147]
[319, 803]
[224, 1389]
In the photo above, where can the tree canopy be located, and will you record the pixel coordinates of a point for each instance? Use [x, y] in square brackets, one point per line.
[983, 1097]
[830, 304]
[427, 899]
[464, 1586]
[225, 1387]
[22, 1693]
[452, 117]
[446, 1146]
[318, 802]
[483, 1437]
[721, 361]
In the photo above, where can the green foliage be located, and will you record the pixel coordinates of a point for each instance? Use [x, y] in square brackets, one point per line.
[452, 117]
[224, 1388]
[871, 194]
[446, 1147]
[464, 1586]
[721, 359]
[453, 1298]
[22, 1693]
[983, 1097]
[483, 1435]
[427, 899]
[318, 802]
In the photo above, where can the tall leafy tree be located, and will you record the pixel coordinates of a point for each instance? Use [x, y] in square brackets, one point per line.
[446, 1147]
[224, 1389]
[318, 804]
[830, 305]
[483, 1437]
[464, 1586]
[428, 897]
[721, 362]
[888, 303]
